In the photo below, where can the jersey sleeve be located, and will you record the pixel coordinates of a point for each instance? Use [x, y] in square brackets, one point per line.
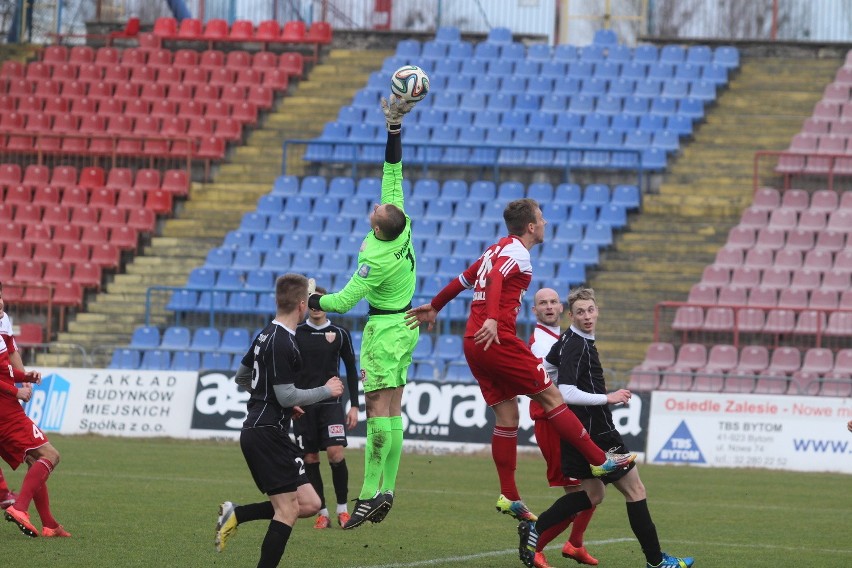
[283, 359]
[365, 278]
[392, 185]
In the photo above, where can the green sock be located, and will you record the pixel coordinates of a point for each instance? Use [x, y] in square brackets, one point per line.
[395, 454]
[375, 454]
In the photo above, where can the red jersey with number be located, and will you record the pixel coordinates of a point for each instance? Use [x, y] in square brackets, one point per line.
[506, 262]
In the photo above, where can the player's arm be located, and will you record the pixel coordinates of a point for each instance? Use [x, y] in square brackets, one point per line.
[285, 372]
[428, 313]
[368, 276]
[347, 354]
[19, 373]
[569, 365]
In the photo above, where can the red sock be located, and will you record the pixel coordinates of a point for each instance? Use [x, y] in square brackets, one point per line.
[549, 534]
[580, 525]
[42, 504]
[4, 487]
[504, 451]
[569, 429]
[33, 481]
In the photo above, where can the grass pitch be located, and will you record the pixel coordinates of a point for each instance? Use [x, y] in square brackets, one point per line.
[131, 502]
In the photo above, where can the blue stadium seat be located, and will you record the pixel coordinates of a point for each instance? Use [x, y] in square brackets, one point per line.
[523, 137]
[324, 243]
[509, 191]
[341, 187]
[229, 279]
[468, 249]
[613, 215]
[124, 359]
[597, 194]
[610, 138]
[581, 104]
[270, 204]
[583, 137]
[186, 361]
[424, 347]
[541, 192]
[627, 196]
[486, 50]
[500, 101]
[450, 267]
[326, 207]
[609, 105]
[703, 90]
[155, 360]
[278, 261]
[241, 302]
[427, 227]
[408, 48]
[458, 373]
[584, 253]
[699, 55]
[305, 261]
[688, 72]
[666, 139]
[653, 159]
[527, 102]
[568, 233]
[216, 360]
[539, 52]
[513, 51]
[596, 121]
[726, 56]
[646, 53]
[176, 337]
[145, 337]
[715, 73]
[219, 258]
[437, 248]
[354, 114]
[334, 131]
[675, 89]
[265, 242]
[201, 278]
[571, 272]
[235, 340]
[652, 123]
[583, 214]
[692, 108]
[247, 259]
[183, 301]
[660, 71]
[448, 347]
[446, 68]
[555, 103]
[541, 120]
[462, 50]
[680, 124]
[624, 122]
[598, 234]
[606, 37]
[636, 105]
[266, 304]
[459, 117]
[237, 239]
[634, 71]
[253, 223]
[567, 193]
[453, 190]
[439, 209]
[474, 68]
[426, 188]
[608, 70]
[556, 250]
[555, 212]
[553, 137]
[286, 185]
[482, 191]
[460, 83]
[453, 229]
[424, 371]
[565, 52]
[621, 87]
[619, 53]
[283, 224]
[672, 54]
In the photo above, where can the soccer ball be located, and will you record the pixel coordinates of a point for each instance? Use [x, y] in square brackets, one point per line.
[410, 82]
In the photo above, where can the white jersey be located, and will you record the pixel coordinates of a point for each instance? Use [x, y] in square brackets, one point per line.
[542, 339]
[6, 324]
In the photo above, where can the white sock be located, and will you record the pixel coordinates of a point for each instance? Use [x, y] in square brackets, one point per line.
[324, 512]
[341, 508]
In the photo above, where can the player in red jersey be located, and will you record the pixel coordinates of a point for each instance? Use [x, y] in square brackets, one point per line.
[7, 496]
[22, 441]
[499, 278]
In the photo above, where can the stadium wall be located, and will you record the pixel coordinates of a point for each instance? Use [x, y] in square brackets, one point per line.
[700, 429]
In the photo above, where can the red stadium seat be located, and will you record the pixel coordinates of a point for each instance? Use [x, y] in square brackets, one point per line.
[10, 174]
[56, 215]
[142, 220]
[13, 69]
[212, 59]
[88, 275]
[241, 30]
[293, 32]
[130, 199]
[147, 179]
[268, 30]
[105, 255]
[74, 197]
[292, 63]
[57, 271]
[165, 27]
[159, 201]
[111, 217]
[18, 251]
[196, 77]
[91, 177]
[124, 237]
[176, 182]
[67, 293]
[190, 28]
[160, 59]
[20, 195]
[216, 29]
[238, 60]
[319, 32]
[173, 126]
[249, 77]
[185, 58]
[134, 57]
[31, 334]
[47, 252]
[68, 236]
[131, 30]
[222, 77]
[29, 271]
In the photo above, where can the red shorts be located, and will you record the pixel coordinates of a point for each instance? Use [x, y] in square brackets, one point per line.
[18, 434]
[505, 370]
[550, 445]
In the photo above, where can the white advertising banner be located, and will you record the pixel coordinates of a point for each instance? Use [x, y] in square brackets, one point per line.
[113, 402]
[776, 432]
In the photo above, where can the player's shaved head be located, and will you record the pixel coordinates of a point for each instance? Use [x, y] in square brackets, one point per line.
[390, 220]
[547, 307]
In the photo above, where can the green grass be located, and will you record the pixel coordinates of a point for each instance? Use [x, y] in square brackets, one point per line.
[132, 502]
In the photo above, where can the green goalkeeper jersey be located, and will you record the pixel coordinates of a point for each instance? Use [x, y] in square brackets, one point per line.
[386, 272]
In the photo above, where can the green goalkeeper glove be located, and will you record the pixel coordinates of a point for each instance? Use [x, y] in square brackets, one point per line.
[394, 108]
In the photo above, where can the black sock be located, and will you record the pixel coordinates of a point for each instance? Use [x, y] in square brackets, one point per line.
[274, 543]
[645, 531]
[312, 470]
[340, 478]
[564, 507]
[254, 512]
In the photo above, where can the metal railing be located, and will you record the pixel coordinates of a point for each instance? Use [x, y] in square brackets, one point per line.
[489, 156]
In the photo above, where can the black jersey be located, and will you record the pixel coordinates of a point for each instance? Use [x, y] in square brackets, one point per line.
[274, 359]
[577, 358]
[322, 350]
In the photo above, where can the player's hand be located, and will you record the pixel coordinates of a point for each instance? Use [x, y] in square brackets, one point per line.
[394, 108]
[621, 396]
[415, 317]
[25, 393]
[32, 377]
[335, 385]
[352, 418]
[487, 334]
[298, 412]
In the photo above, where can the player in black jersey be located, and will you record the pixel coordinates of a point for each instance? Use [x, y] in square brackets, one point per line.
[582, 384]
[269, 370]
[323, 426]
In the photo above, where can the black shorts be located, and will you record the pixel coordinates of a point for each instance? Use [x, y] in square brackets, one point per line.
[575, 465]
[274, 461]
[322, 425]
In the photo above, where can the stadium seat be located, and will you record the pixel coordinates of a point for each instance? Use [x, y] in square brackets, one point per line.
[145, 337]
[125, 359]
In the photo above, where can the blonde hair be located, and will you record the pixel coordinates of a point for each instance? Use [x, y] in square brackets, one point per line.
[578, 294]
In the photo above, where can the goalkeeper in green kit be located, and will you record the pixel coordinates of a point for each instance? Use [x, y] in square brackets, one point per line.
[386, 276]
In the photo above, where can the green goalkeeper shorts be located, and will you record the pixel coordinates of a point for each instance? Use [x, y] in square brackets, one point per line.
[386, 348]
